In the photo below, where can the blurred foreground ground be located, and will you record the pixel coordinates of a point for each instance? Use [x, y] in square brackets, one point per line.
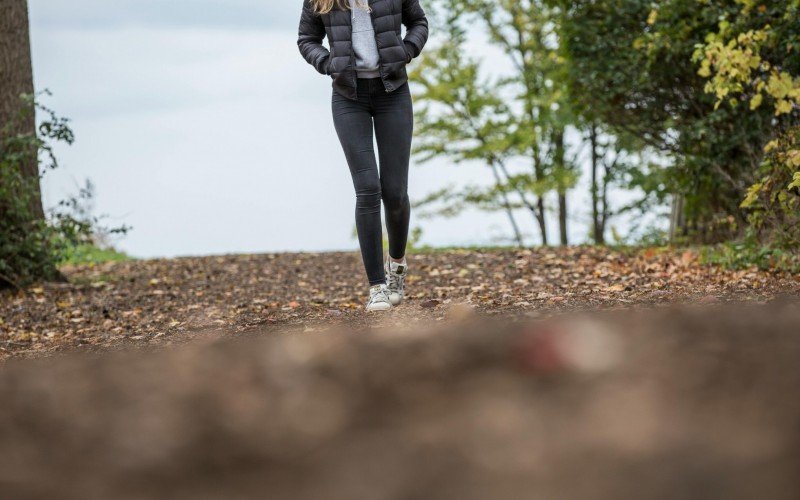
[678, 403]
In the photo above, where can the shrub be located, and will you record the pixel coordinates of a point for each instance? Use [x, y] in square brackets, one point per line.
[31, 247]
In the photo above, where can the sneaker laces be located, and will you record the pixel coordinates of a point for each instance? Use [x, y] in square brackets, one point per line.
[395, 281]
[378, 293]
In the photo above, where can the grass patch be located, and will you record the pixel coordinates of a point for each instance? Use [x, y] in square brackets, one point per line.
[476, 248]
[91, 254]
[745, 255]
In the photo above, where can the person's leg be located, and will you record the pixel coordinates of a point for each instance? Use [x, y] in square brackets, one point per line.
[353, 122]
[394, 126]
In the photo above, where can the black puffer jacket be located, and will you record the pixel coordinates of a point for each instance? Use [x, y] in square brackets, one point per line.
[339, 62]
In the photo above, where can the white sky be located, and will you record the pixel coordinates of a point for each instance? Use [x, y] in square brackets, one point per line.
[202, 127]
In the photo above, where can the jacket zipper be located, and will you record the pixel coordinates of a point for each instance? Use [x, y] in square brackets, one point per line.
[386, 86]
[353, 55]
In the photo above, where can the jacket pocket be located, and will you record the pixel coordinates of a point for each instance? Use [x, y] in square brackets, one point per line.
[409, 53]
[404, 46]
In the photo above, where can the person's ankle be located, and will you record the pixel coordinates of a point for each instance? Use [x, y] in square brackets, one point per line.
[397, 261]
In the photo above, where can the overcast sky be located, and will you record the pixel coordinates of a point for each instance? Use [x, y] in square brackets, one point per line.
[202, 127]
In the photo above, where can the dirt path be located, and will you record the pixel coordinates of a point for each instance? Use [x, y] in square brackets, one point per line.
[163, 301]
[471, 390]
[677, 404]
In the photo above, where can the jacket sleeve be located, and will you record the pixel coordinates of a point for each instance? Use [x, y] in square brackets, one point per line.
[309, 39]
[416, 27]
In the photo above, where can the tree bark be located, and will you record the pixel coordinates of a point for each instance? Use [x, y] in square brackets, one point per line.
[540, 211]
[598, 231]
[562, 218]
[561, 169]
[16, 79]
[604, 211]
[540, 218]
[677, 220]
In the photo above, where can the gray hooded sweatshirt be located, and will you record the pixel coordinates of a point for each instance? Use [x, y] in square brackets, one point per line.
[364, 46]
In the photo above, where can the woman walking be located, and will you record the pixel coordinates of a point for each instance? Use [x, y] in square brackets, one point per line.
[367, 62]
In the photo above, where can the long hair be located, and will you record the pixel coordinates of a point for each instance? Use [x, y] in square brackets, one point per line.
[325, 6]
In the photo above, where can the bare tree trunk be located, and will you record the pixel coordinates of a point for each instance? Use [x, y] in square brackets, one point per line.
[677, 222]
[540, 219]
[509, 210]
[604, 211]
[540, 212]
[598, 231]
[562, 218]
[561, 169]
[16, 79]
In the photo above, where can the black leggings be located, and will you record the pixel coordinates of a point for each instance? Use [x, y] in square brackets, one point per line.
[392, 118]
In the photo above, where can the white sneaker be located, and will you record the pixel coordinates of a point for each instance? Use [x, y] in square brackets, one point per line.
[396, 281]
[378, 299]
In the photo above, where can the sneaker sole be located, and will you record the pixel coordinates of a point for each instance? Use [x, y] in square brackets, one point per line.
[396, 299]
[379, 308]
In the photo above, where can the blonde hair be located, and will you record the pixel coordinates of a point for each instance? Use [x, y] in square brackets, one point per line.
[325, 6]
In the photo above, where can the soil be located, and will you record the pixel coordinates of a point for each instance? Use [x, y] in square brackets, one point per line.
[577, 374]
[139, 303]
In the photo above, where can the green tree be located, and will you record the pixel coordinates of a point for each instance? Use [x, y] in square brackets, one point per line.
[462, 118]
[31, 248]
[630, 63]
[524, 31]
[512, 118]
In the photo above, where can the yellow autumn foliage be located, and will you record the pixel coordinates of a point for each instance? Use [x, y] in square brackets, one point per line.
[738, 71]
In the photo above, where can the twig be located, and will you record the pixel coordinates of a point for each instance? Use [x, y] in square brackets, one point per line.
[12, 283]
